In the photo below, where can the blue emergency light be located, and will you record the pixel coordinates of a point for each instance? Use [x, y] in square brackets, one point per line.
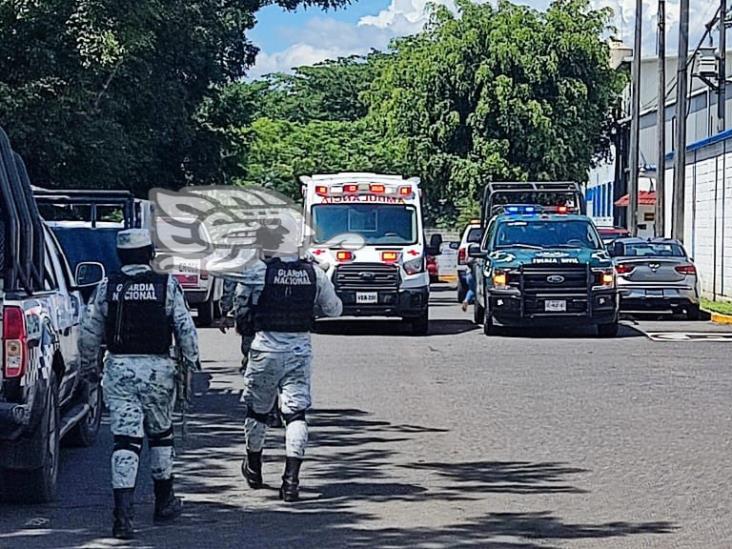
[521, 210]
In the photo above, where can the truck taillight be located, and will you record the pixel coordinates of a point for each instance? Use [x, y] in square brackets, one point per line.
[405, 191]
[15, 341]
[377, 188]
[350, 188]
[462, 256]
[321, 190]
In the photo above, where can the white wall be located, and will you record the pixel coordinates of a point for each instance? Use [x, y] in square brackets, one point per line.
[708, 216]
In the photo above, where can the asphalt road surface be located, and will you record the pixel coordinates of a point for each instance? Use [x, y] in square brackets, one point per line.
[557, 439]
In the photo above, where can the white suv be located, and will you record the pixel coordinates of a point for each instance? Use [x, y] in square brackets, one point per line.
[471, 235]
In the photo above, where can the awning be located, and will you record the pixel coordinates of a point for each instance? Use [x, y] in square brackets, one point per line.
[645, 198]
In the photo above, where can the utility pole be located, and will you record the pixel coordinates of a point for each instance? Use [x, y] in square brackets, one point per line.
[722, 90]
[635, 122]
[680, 145]
[661, 123]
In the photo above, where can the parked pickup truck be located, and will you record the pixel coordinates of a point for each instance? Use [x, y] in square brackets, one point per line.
[44, 394]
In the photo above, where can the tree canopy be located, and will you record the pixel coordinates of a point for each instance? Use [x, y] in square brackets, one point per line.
[110, 93]
[124, 94]
[490, 93]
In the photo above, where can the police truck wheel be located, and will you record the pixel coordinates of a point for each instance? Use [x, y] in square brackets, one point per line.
[206, 313]
[38, 485]
[608, 330]
[488, 327]
[421, 324]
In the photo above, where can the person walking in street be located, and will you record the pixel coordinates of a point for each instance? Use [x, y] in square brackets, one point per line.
[279, 296]
[470, 295]
[137, 312]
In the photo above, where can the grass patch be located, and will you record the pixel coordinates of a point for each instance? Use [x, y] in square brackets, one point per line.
[721, 307]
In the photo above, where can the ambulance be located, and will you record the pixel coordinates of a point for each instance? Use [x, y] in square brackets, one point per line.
[368, 231]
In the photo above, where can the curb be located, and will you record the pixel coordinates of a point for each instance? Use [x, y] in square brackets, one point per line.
[719, 318]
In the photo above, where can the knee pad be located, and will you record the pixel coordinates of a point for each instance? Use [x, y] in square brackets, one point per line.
[259, 418]
[295, 416]
[131, 444]
[161, 439]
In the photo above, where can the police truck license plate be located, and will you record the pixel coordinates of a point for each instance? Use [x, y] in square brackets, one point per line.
[555, 306]
[367, 298]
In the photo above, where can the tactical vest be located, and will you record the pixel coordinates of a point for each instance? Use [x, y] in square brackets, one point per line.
[287, 302]
[137, 323]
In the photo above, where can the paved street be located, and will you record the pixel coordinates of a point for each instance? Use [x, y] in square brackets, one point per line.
[561, 440]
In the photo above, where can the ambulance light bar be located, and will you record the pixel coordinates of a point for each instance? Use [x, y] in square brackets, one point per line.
[404, 191]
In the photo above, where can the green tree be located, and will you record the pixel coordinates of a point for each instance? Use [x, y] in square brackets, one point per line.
[498, 93]
[116, 93]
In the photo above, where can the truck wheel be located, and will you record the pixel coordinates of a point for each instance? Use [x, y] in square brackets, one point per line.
[478, 312]
[488, 327]
[421, 324]
[206, 313]
[39, 485]
[84, 434]
[693, 312]
[608, 330]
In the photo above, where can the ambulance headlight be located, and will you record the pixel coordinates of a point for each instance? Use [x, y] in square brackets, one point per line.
[414, 266]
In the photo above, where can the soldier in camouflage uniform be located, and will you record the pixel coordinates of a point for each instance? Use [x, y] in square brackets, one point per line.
[227, 305]
[136, 313]
[283, 292]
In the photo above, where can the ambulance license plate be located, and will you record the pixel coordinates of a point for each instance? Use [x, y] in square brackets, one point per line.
[555, 306]
[367, 298]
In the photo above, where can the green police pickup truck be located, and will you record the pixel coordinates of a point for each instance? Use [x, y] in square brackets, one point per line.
[543, 266]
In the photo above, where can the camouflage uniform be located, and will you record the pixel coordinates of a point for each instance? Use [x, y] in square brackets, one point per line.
[227, 305]
[280, 362]
[139, 390]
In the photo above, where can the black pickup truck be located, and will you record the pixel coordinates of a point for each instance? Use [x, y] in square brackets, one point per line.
[44, 393]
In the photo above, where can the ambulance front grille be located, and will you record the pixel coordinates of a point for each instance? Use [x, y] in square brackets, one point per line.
[367, 276]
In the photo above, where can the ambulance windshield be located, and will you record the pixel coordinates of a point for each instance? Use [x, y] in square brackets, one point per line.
[378, 224]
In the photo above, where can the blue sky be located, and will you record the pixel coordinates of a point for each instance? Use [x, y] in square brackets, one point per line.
[304, 37]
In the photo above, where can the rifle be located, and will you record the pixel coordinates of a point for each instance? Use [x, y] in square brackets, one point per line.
[183, 390]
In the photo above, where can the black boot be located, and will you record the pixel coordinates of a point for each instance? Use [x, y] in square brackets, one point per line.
[251, 468]
[290, 490]
[123, 513]
[168, 507]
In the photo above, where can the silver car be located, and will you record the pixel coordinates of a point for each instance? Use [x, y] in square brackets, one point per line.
[656, 275]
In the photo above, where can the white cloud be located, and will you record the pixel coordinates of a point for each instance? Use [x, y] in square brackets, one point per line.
[404, 16]
[327, 38]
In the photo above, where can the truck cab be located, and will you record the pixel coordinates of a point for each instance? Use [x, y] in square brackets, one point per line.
[368, 229]
[544, 266]
[45, 394]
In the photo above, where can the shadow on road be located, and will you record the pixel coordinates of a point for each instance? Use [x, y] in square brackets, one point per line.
[354, 470]
[378, 328]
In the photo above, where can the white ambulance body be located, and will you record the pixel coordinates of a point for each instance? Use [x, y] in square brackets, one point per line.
[368, 228]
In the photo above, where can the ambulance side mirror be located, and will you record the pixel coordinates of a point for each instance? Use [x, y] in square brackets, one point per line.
[435, 245]
[89, 274]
